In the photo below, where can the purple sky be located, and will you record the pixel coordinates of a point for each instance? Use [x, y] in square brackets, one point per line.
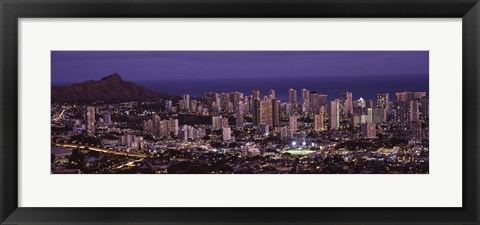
[78, 66]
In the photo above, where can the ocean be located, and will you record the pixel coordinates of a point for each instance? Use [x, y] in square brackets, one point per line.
[366, 87]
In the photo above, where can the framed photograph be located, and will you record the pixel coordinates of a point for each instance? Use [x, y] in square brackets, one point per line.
[239, 112]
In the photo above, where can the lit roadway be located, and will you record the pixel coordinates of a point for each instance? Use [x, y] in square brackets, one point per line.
[83, 147]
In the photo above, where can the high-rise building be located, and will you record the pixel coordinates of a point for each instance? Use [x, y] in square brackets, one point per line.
[292, 121]
[266, 112]
[292, 96]
[369, 130]
[416, 131]
[256, 112]
[90, 120]
[383, 101]
[360, 103]
[164, 128]
[156, 125]
[224, 122]
[239, 115]
[224, 101]
[174, 126]
[289, 109]
[271, 94]
[256, 94]
[276, 113]
[379, 115]
[227, 134]
[305, 100]
[369, 115]
[318, 124]
[147, 127]
[334, 114]
[216, 122]
[403, 112]
[316, 101]
[168, 105]
[186, 100]
[414, 112]
[355, 120]
[346, 104]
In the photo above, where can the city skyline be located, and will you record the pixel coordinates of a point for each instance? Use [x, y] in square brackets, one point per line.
[111, 125]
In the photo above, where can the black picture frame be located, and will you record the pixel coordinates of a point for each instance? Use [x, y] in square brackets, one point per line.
[12, 10]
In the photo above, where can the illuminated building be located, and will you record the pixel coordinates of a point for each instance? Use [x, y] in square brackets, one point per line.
[346, 104]
[156, 125]
[224, 122]
[147, 127]
[227, 134]
[173, 126]
[383, 101]
[379, 115]
[318, 121]
[256, 94]
[266, 112]
[369, 130]
[416, 131]
[186, 100]
[276, 113]
[292, 121]
[292, 96]
[316, 101]
[90, 120]
[334, 114]
[256, 112]
[305, 100]
[414, 112]
[216, 122]
[239, 115]
[271, 94]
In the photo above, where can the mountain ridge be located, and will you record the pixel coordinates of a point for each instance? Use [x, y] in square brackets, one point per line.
[108, 88]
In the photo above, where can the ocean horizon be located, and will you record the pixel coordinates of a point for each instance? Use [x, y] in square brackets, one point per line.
[366, 87]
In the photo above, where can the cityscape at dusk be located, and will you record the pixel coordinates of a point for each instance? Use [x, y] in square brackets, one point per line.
[240, 112]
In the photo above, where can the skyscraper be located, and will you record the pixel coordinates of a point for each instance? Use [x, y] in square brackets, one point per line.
[292, 96]
[90, 119]
[414, 112]
[276, 113]
[369, 130]
[147, 127]
[256, 112]
[318, 121]
[305, 100]
[216, 122]
[156, 125]
[316, 101]
[345, 104]
[334, 114]
[292, 122]
[417, 131]
[379, 115]
[186, 100]
[266, 112]
[256, 94]
[174, 126]
[271, 94]
[227, 134]
[383, 101]
[239, 115]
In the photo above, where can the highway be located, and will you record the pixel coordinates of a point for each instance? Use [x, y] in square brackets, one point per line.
[91, 148]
